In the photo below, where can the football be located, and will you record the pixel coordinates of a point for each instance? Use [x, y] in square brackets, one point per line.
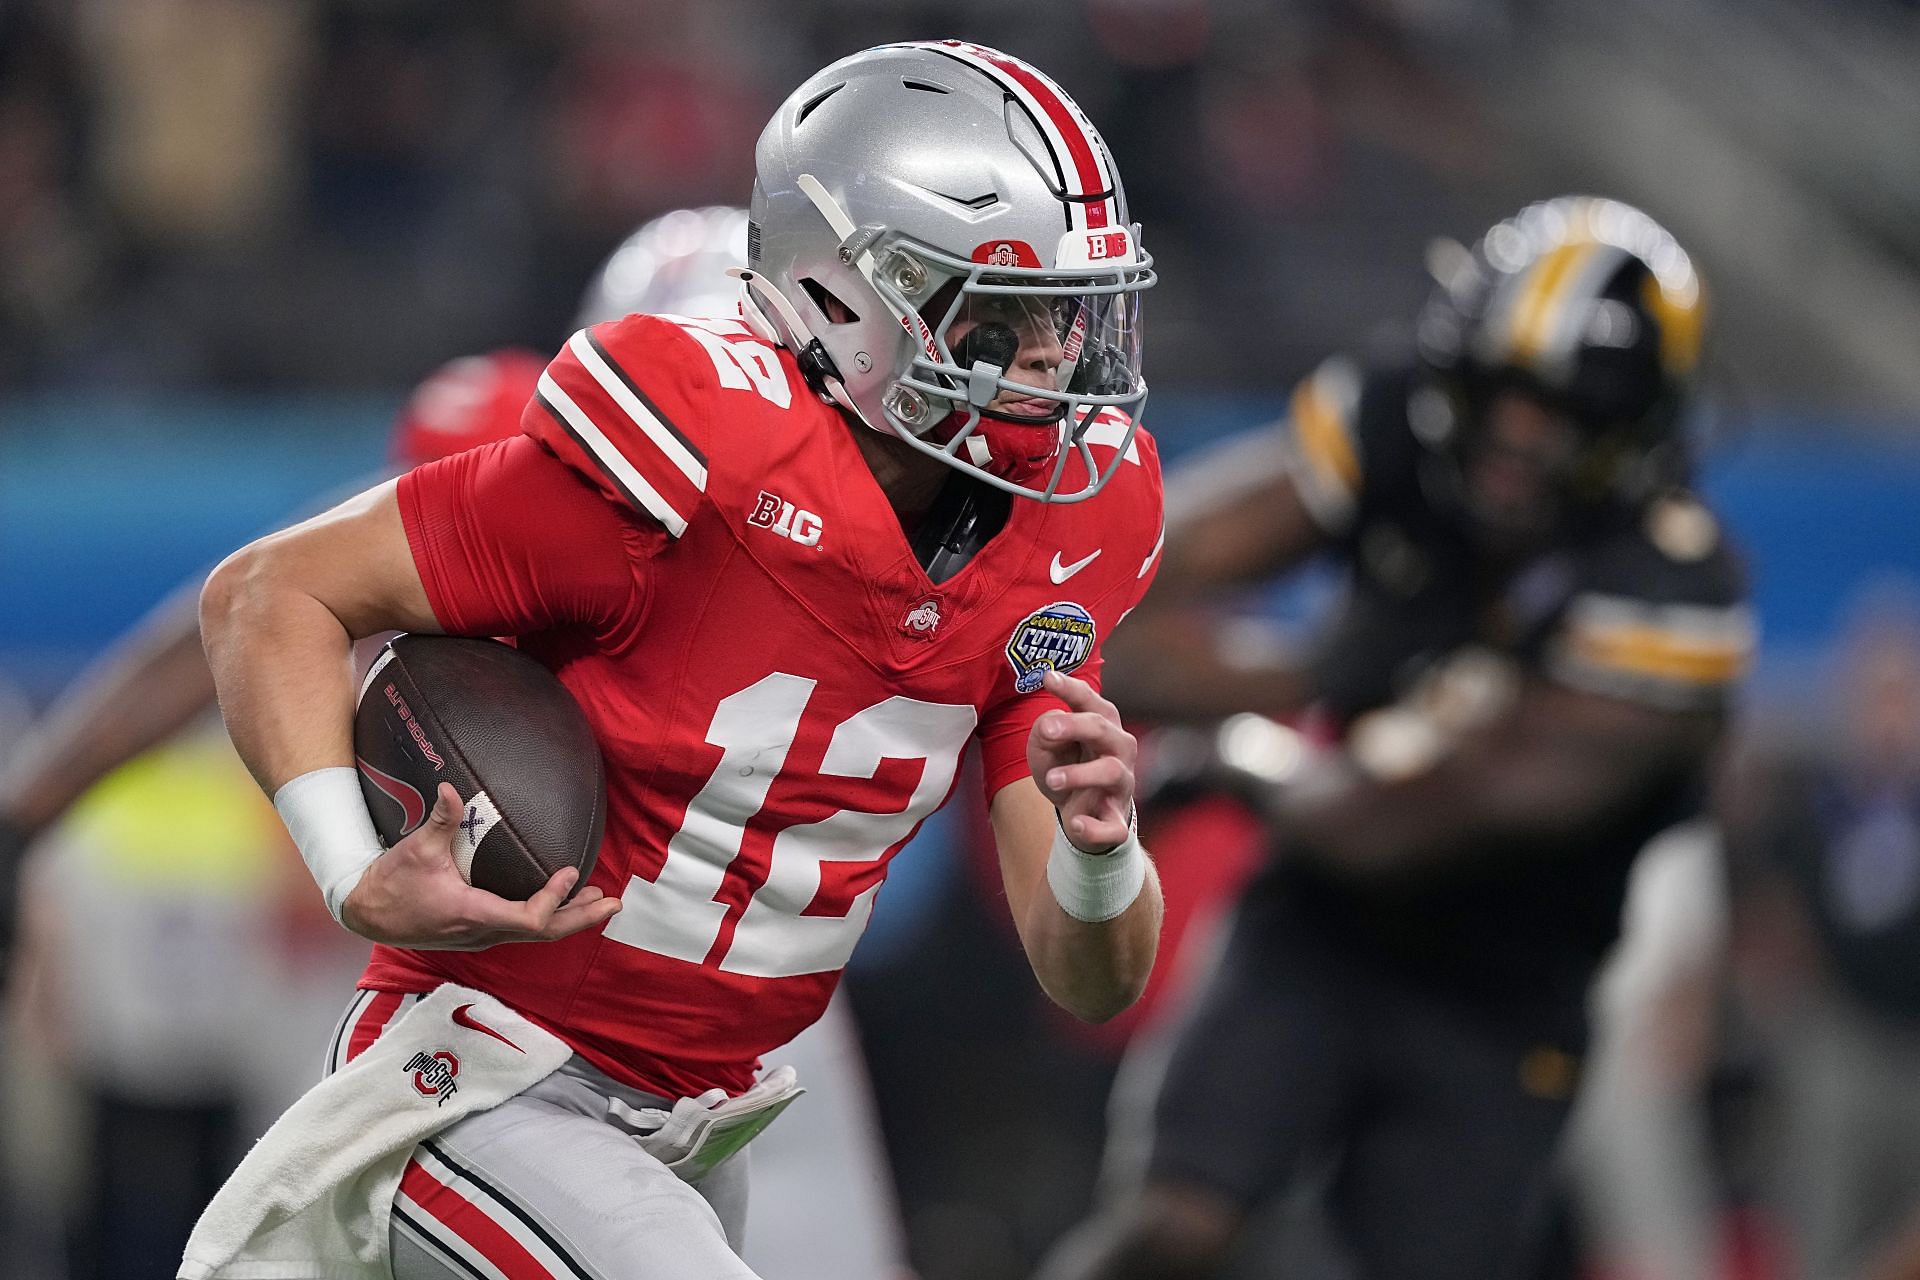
[503, 730]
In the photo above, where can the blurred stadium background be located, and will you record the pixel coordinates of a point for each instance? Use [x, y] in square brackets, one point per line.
[234, 233]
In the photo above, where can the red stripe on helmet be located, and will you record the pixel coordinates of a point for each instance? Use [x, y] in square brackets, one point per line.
[1073, 128]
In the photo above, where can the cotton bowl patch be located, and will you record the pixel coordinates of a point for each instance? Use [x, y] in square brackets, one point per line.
[1056, 638]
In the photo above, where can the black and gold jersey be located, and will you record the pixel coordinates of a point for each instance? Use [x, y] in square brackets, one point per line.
[1647, 605]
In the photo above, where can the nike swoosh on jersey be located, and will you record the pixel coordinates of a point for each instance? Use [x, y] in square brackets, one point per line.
[1061, 572]
[462, 1018]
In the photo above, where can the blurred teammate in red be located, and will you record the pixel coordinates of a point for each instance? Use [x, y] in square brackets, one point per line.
[790, 566]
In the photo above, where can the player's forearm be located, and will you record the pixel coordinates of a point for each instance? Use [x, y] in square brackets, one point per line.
[282, 665]
[1093, 971]
[1364, 828]
[143, 691]
[1497, 792]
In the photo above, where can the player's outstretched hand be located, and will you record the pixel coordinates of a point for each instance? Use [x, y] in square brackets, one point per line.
[413, 896]
[1083, 761]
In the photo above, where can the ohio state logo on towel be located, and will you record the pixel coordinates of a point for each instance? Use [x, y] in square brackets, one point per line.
[434, 1074]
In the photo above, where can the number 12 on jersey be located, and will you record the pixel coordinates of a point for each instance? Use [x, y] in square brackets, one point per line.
[679, 913]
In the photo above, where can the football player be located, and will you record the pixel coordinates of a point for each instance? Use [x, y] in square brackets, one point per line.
[826, 1153]
[1523, 684]
[791, 566]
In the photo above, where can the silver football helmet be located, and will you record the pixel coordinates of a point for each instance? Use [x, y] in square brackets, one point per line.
[679, 263]
[941, 238]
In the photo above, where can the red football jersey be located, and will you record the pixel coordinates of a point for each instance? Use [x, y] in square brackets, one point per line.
[703, 557]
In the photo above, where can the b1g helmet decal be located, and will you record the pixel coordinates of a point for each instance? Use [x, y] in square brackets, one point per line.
[1057, 638]
[941, 238]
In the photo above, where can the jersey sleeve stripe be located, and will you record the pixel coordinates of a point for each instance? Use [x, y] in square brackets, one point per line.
[1651, 652]
[1616, 641]
[609, 459]
[645, 414]
[1697, 624]
[640, 449]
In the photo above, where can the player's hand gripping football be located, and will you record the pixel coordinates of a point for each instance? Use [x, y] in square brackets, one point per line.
[1083, 762]
[414, 896]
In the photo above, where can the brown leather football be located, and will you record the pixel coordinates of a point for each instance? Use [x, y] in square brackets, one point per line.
[509, 737]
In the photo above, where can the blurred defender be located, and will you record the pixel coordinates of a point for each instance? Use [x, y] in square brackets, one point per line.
[1524, 683]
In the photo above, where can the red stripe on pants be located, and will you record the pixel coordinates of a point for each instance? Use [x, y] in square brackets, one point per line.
[470, 1222]
[379, 1012]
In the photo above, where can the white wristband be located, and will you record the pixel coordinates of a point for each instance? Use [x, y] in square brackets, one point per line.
[1096, 887]
[328, 819]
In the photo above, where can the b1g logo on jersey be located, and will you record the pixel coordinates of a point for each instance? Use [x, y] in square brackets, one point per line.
[1056, 638]
[776, 513]
[434, 1074]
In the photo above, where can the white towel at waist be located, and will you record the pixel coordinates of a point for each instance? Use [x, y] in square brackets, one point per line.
[312, 1199]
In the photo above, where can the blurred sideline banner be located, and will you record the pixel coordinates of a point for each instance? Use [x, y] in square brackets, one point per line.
[106, 505]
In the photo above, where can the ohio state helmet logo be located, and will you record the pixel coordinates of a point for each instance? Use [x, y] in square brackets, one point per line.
[1006, 253]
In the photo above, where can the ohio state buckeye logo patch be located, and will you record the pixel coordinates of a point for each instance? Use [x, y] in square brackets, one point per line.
[1057, 638]
[434, 1074]
[921, 620]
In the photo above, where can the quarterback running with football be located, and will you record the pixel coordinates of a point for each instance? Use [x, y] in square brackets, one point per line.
[791, 566]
